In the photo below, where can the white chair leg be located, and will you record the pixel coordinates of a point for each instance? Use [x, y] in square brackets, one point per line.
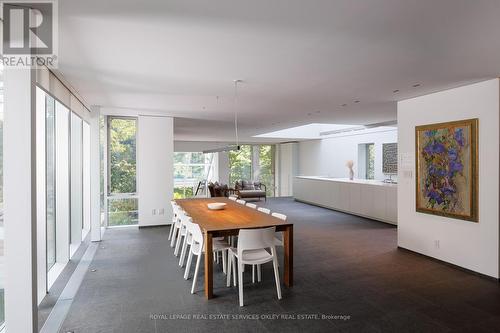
[188, 265]
[240, 281]
[234, 269]
[171, 232]
[224, 263]
[174, 237]
[253, 273]
[228, 269]
[178, 244]
[183, 252]
[259, 274]
[277, 277]
[195, 277]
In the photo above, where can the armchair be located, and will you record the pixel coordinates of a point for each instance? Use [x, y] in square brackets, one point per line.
[246, 190]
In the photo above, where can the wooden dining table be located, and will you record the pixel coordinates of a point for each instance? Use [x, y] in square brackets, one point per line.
[228, 222]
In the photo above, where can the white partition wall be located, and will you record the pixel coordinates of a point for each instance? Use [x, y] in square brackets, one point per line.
[20, 201]
[155, 147]
[288, 167]
[463, 243]
[76, 194]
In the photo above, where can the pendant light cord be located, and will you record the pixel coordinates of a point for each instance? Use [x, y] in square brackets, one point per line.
[236, 112]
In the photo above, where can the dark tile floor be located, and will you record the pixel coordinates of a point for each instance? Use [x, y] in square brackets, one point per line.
[343, 266]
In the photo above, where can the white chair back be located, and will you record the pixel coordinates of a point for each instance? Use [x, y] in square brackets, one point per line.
[189, 226]
[184, 218]
[178, 214]
[264, 210]
[197, 238]
[175, 208]
[280, 216]
[241, 202]
[252, 205]
[255, 239]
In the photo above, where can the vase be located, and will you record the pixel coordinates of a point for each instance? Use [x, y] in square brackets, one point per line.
[351, 174]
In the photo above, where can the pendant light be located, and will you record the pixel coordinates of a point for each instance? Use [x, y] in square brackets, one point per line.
[236, 146]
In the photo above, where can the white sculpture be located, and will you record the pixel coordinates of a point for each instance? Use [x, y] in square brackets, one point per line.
[350, 165]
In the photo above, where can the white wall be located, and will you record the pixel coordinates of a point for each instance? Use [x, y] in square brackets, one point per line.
[155, 147]
[327, 157]
[287, 167]
[19, 202]
[474, 246]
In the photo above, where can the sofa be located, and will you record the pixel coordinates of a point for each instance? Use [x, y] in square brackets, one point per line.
[250, 190]
[218, 190]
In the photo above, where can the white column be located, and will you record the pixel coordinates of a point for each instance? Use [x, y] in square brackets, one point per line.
[223, 168]
[20, 201]
[95, 176]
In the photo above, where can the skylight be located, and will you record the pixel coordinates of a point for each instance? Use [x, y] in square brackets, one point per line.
[310, 131]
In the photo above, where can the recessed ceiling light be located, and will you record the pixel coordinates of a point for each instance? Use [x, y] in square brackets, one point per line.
[416, 85]
[395, 91]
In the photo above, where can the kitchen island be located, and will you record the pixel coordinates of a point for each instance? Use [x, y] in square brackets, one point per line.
[372, 199]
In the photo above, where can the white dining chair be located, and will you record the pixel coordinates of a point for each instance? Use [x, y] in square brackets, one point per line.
[279, 242]
[176, 226]
[252, 250]
[181, 234]
[264, 210]
[188, 238]
[174, 218]
[197, 249]
[259, 272]
[251, 205]
[241, 202]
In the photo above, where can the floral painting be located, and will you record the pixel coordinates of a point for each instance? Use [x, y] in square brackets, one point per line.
[446, 168]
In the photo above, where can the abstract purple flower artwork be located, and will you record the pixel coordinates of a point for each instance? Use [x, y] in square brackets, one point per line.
[447, 169]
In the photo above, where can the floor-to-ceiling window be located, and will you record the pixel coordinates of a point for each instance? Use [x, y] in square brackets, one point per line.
[86, 177]
[240, 164]
[102, 168]
[63, 183]
[253, 163]
[76, 172]
[50, 180]
[122, 197]
[266, 167]
[189, 169]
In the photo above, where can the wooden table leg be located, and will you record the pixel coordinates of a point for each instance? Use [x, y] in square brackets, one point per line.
[209, 283]
[288, 246]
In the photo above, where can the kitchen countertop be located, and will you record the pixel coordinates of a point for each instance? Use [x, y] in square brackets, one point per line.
[347, 180]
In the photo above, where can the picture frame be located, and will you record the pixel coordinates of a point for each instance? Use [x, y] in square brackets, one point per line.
[446, 169]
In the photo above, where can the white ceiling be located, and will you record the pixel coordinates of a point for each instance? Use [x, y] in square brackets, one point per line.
[300, 60]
